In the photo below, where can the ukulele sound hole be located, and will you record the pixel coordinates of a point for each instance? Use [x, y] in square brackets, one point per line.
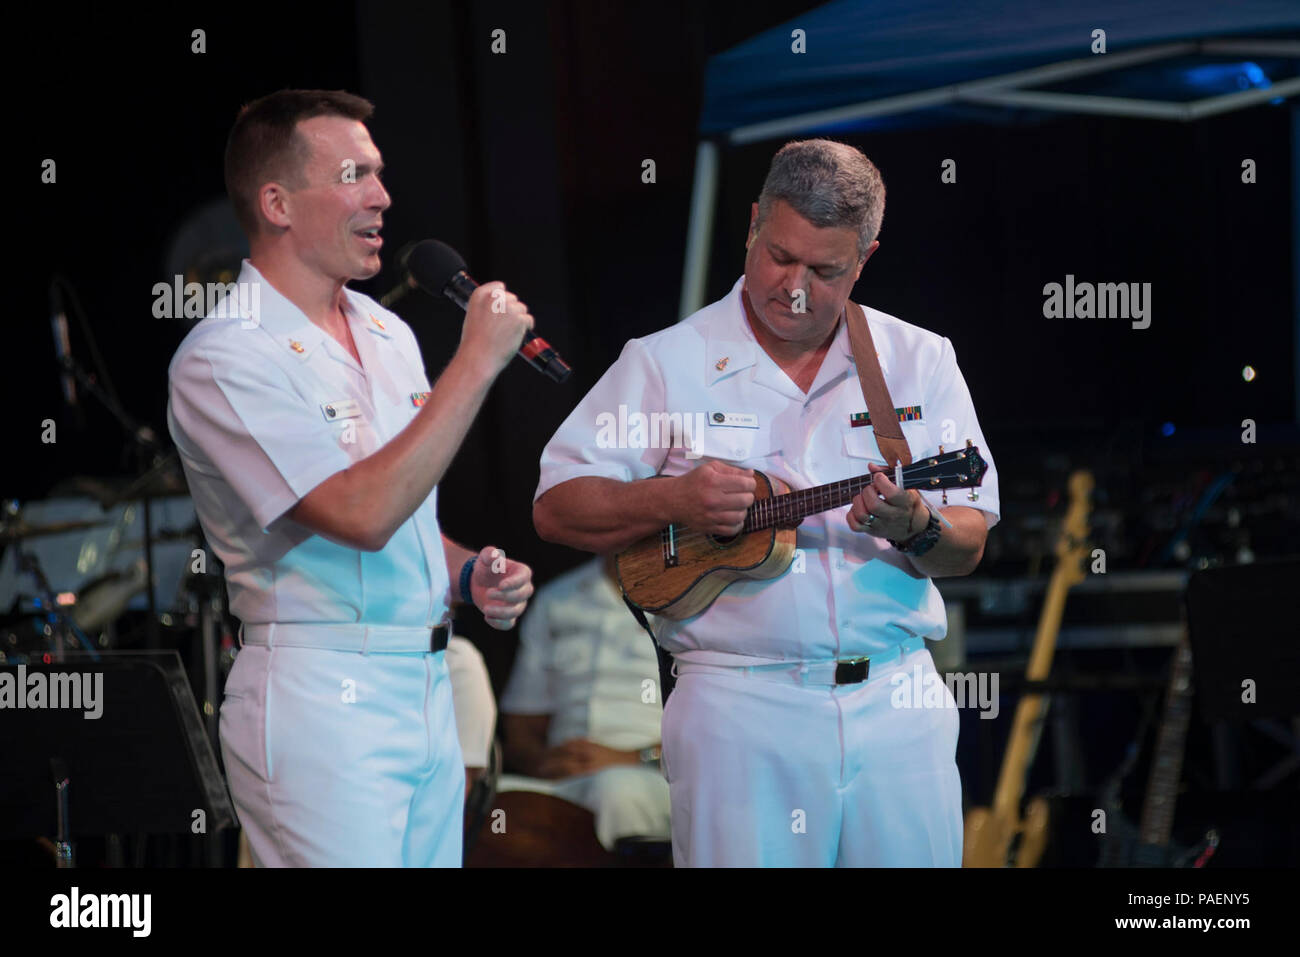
[721, 542]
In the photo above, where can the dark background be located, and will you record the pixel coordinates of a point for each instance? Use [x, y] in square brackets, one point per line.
[530, 164]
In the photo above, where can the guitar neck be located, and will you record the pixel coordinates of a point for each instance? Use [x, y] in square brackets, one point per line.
[1167, 760]
[793, 507]
[961, 468]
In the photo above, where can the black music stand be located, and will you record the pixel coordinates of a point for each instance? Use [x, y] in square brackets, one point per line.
[144, 766]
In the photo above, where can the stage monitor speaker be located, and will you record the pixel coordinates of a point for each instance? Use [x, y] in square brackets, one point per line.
[1243, 621]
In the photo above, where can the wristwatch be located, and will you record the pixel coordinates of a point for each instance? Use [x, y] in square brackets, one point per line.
[649, 755]
[922, 541]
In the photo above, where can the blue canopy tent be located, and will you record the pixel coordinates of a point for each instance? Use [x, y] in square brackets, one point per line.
[886, 63]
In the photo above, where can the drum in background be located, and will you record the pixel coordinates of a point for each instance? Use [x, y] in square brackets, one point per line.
[540, 830]
[70, 559]
[103, 600]
[78, 544]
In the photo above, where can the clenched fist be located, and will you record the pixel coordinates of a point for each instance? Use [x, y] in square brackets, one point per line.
[500, 587]
[495, 322]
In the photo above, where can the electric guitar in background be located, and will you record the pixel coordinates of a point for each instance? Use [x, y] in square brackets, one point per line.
[998, 836]
[678, 572]
[1149, 844]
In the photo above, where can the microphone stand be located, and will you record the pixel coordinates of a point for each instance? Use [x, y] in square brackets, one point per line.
[148, 450]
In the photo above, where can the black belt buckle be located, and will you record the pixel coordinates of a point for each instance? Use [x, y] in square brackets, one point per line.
[851, 672]
[438, 638]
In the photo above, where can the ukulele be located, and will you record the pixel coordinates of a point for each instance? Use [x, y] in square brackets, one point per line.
[678, 572]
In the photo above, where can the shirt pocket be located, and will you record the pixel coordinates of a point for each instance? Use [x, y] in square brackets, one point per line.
[738, 446]
[860, 443]
[571, 678]
[573, 655]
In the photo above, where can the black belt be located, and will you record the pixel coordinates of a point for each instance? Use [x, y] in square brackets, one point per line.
[438, 638]
[851, 672]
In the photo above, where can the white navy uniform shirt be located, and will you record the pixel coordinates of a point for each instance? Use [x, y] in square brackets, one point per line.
[264, 410]
[585, 661]
[846, 594]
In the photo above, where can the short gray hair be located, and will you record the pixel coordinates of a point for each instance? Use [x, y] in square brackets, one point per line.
[828, 184]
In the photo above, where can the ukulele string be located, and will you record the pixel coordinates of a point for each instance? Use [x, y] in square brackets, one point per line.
[788, 507]
[783, 509]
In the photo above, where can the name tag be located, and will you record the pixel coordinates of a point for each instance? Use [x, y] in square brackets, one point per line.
[735, 420]
[341, 409]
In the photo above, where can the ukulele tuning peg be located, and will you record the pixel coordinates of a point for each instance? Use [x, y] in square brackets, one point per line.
[973, 495]
[945, 496]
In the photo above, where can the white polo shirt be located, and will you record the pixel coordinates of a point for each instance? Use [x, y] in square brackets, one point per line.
[585, 661]
[262, 411]
[846, 594]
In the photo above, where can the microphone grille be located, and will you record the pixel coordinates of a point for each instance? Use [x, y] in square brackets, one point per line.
[432, 263]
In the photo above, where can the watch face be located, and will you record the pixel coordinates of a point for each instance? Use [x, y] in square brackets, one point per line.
[926, 539]
[923, 546]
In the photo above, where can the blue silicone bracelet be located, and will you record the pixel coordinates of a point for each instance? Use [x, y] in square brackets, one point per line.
[466, 572]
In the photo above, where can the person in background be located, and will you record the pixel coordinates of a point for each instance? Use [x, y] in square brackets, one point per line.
[475, 706]
[581, 709]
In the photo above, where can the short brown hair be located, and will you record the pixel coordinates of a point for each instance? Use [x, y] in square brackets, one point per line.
[264, 144]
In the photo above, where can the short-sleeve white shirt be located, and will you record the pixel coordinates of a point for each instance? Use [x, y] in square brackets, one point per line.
[846, 594]
[264, 409]
[585, 661]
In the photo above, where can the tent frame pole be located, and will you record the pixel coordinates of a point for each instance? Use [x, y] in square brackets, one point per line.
[1010, 90]
[699, 230]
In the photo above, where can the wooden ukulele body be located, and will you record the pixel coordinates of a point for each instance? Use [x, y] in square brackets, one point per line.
[677, 574]
[678, 571]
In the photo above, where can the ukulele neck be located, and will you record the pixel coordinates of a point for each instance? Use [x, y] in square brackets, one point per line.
[793, 507]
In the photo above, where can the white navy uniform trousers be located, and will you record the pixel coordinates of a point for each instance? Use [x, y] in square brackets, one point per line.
[337, 726]
[768, 761]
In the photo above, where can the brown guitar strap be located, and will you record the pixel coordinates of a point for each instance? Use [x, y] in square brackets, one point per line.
[884, 419]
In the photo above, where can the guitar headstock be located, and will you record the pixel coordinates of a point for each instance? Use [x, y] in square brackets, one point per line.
[963, 468]
[1072, 545]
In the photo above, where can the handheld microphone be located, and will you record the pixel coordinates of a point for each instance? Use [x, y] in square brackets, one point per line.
[439, 270]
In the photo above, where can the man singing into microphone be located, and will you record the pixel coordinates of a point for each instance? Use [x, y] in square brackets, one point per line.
[313, 446]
